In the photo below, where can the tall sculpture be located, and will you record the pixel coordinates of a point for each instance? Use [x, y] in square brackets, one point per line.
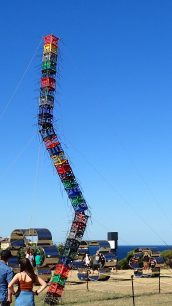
[64, 170]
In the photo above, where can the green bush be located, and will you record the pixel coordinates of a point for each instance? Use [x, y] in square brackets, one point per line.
[167, 254]
[123, 263]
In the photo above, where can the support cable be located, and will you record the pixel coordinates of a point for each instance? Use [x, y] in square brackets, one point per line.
[19, 82]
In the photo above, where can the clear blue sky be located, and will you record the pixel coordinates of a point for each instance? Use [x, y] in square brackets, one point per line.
[113, 115]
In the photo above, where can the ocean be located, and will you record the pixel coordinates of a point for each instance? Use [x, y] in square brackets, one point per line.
[124, 249]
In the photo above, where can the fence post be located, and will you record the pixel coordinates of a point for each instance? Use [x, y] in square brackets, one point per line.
[132, 290]
[87, 281]
[159, 280]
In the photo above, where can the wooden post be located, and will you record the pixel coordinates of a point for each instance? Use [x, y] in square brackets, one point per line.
[87, 281]
[159, 280]
[132, 289]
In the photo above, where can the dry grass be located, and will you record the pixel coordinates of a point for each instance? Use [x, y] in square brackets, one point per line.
[117, 291]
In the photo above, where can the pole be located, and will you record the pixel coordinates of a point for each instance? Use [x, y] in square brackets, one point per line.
[132, 289]
[87, 281]
[159, 280]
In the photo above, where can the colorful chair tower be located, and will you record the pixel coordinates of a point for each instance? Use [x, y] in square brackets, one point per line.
[64, 170]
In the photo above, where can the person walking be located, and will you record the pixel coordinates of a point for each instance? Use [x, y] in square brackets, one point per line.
[6, 275]
[25, 280]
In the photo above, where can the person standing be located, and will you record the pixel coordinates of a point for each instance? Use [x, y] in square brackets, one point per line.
[86, 260]
[6, 275]
[96, 262]
[101, 260]
[30, 256]
[146, 258]
[116, 264]
[25, 280]
[38, 260]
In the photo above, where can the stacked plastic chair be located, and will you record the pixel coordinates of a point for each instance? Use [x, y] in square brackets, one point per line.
[64, 170]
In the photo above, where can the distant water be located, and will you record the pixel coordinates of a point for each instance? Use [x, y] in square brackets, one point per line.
[124, 249]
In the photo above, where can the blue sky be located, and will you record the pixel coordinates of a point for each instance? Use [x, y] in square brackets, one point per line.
[113, 115]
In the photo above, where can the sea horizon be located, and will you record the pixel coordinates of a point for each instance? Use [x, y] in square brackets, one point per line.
[123, 250]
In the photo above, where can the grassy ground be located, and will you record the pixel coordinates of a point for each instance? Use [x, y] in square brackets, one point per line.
[117, 291]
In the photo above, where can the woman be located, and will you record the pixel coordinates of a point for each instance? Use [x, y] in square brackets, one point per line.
[25, 280]
[146, 258]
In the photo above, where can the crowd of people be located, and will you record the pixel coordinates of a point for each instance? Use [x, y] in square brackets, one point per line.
[24, 280]
[96, 262]
[148, 261]
[21, 286]
[143, 263]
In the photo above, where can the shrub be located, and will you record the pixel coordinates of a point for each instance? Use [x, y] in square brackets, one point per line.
[167, 255]
[123, 263]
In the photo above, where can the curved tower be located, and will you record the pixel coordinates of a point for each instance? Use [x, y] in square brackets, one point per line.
[64, 170]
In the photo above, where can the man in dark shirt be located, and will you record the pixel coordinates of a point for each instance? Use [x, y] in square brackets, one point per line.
[6, 274]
